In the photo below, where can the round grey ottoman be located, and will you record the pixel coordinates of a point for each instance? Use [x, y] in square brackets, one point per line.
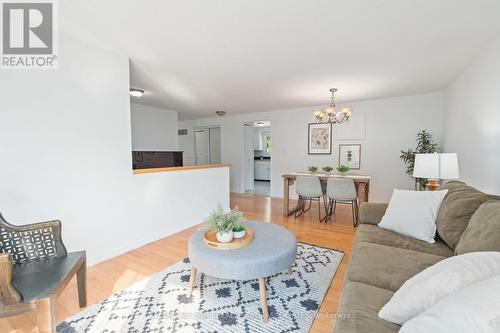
[272, 250]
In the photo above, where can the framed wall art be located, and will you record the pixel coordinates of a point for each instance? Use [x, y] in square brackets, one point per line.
[319, 139]
[350, 155]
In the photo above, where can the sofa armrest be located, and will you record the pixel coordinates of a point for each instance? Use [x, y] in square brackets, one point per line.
[371, 212]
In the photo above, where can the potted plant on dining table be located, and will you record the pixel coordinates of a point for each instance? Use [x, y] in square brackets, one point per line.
[312, 169]
[342, 169]
[327, 169]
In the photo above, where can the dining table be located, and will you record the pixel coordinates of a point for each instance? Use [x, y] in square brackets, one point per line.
[361, 182]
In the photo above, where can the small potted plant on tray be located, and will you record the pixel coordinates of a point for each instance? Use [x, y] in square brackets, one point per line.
[327, 169]
[239, 231]
[224, 223]
[312, 169]
[343, 169]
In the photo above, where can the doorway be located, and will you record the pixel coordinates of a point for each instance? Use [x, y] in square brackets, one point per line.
[207, 145]
[257, 155]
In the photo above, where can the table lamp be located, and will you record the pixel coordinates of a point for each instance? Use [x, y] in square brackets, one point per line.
[434, 167]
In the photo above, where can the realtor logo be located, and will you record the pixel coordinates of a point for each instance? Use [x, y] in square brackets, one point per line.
[28, 35]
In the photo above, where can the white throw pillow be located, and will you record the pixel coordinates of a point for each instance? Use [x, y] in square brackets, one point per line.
[434, 283]
[413, 213]
[475, 308]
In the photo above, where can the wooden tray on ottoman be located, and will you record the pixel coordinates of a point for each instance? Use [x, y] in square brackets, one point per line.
[210, 239]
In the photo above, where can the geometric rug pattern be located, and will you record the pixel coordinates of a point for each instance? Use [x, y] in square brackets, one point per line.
[159, 302]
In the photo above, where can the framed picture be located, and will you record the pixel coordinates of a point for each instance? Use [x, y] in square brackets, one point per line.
[320, 139]
[350, 155]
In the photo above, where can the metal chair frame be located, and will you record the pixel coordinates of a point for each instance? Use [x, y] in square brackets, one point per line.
[332, 205]
[301, 206]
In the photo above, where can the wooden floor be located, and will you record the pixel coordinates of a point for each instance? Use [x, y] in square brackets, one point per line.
[120, 272]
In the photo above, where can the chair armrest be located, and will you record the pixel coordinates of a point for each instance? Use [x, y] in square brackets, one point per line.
[371, 212]
[8, 294]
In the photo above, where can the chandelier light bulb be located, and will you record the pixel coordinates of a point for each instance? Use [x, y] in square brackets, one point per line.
[347, 111]
[319, 115]
[331, 110]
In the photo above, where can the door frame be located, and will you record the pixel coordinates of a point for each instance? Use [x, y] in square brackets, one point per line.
[248, 172]
[244, 154]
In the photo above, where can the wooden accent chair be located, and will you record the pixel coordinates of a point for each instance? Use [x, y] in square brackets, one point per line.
[34, 269]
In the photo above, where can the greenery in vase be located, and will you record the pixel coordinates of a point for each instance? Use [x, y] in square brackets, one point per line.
[343, 169]
[238, 228]
[425, 145]
[312, 169]
[327, 169]
[224, 222]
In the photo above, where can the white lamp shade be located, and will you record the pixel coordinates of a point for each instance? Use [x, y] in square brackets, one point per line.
[436, 166]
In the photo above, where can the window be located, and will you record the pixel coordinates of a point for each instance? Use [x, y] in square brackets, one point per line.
[267, 140]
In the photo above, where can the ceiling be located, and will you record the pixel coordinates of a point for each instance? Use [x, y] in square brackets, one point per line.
[198, 56]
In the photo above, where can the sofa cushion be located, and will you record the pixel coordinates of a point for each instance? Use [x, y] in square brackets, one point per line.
[475, 308]
[360, 303]
[385, 266]
[439, 281]
[374, 234]
[483, 231]
[456, 210]
[413, 213]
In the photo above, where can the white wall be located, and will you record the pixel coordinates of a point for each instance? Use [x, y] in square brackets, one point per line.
[65, 144]
[153, 128]
[472, 120]
[391, 126]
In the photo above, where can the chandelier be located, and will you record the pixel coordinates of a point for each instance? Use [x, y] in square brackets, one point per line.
[331, 114]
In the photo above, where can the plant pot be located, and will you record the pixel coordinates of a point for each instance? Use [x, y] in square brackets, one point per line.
[225, 237]
[239, 234]
[342, 174]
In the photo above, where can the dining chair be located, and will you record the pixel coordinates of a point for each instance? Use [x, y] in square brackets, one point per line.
[341, 190]
[309, 189]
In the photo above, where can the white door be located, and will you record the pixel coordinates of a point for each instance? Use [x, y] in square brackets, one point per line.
[202, 146]
[248, 156]
[215, 155]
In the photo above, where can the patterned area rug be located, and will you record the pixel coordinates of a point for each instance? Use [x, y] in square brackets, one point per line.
[159, 303]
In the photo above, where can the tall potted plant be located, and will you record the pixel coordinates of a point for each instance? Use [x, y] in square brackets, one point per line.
[425, 145]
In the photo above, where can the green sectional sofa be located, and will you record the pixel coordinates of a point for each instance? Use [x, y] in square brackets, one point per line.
[381, 260]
